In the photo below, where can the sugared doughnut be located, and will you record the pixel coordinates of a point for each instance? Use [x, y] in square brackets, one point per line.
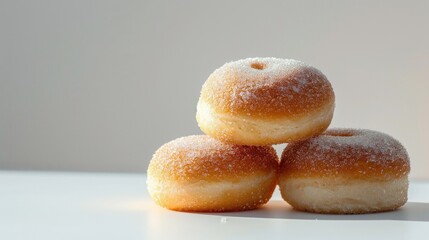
[264, 101]
[345, 171]
[199, 173]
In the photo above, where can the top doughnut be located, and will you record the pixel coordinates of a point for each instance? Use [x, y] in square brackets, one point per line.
[261, 101]
[267, 87]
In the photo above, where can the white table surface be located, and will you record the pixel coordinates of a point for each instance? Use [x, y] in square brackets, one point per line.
[41, 205]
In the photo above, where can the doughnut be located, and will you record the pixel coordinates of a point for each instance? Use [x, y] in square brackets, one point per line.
[202, 174]
[265, 101]
[345, 171]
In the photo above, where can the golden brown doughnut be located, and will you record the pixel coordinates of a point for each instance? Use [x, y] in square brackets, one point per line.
[264, 101]
[199, 173]
[345, 171]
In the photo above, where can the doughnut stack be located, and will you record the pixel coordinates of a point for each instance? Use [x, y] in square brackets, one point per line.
[248, 105]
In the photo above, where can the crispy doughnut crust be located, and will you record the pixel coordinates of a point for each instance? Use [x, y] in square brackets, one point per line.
[267, 88]
[346, 153]
[199, 173]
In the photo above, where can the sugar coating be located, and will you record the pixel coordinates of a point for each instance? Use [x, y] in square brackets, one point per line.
[202, 158]
[356, 153]
[279, 86]
[198, 173]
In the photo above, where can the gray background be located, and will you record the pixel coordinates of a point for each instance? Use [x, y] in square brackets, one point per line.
[100, 85]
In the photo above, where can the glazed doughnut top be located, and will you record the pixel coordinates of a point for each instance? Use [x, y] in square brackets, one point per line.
[202, 158]
[267, 88]
[348, 153]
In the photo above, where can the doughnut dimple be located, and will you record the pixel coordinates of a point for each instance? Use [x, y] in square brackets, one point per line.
[263, 101]
[345, 171]
[199, 173]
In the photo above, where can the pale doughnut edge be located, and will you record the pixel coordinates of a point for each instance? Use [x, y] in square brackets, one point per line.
[220, 196]
[246, 130]
[344, 196]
